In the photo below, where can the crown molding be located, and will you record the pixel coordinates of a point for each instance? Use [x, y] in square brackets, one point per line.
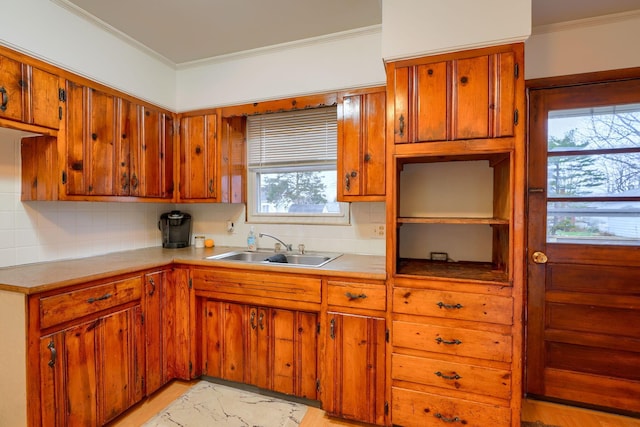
[586, 22]
[66, 4]
[296, 44]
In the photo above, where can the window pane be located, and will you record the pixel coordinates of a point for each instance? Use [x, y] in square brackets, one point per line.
[605, 223]
[300, 192]
[594, 175]
[616, 126]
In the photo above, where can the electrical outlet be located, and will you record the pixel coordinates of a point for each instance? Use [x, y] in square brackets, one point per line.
[378, 231]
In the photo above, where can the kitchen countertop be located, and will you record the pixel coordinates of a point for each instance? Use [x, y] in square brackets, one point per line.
[39, 277]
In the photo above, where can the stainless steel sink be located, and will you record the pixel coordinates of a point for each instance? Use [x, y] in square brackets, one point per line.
[311, 259]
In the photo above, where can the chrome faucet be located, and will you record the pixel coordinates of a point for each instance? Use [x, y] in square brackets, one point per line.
[286, 245]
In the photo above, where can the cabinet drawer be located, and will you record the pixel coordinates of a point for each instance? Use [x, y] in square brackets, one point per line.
[295, 288]
[357, 295]
[75, 304]
[454, 341]
[453, 305]
[451, 375]
[413, 408]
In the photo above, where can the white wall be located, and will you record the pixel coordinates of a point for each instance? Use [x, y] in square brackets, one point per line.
[44, 231]
[597, 44]
[47, 31]
[412, 28]
[323, 64]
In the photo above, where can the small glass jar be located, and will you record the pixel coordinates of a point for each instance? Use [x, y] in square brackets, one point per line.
[199, 241]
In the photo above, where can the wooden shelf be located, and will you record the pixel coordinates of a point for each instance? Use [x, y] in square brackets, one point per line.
[481, 271]
[452, 220]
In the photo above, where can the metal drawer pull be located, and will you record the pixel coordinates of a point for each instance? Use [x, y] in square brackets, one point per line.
[332, 329]
[153, 286]
[443, 341]
[443, 305]
[103, 297]
[448, 377]
[5, 98]
[355, 296]
[449, 420]
[54, 354]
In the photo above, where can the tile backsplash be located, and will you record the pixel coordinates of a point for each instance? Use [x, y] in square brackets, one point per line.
[46, 231]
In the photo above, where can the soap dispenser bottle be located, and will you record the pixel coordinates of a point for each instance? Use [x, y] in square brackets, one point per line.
[251, 240]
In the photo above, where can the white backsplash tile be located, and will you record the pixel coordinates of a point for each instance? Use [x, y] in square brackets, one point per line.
[47, 231]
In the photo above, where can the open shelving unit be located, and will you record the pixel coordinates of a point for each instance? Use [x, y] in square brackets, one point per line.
[457, 207]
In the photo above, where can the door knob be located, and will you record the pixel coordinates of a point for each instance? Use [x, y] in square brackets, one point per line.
[539, 257]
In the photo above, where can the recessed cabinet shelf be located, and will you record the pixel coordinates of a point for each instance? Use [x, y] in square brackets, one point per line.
[464, 270]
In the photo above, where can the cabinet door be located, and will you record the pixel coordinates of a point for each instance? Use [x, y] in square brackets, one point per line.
[52, 395]
[75, 140]
[224, 333]
[259, 354]
[45, 99]
[354, 384]
[400, 81]
[119, 386]
[362, 146]
[431, 94]
[306, 348]
[79, 365]
[100, 146]
[154, 331]
[91, 149]
[152, 149]
[471, 98]
[127, 155]
[198, 154]
[12, 85]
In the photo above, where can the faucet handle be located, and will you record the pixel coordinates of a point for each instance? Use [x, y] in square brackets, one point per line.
[277, 247]
[301, 249]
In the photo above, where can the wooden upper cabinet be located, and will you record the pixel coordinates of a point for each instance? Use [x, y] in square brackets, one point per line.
[198, 155]
[29, 95]
[361, 145]
[454, 97]
[115, 147]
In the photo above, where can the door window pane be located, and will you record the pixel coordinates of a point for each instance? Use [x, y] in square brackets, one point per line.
[593, 175]
[604, 223]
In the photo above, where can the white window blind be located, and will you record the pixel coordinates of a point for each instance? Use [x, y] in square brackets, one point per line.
[297, 138]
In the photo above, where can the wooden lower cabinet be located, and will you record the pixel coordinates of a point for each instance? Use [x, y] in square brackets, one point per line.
[271, 348]
[453, 354]
[98, 349]
[92, 372]
[354, 367]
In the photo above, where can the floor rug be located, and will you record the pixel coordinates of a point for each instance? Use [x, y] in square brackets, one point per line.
[209, 404]
[535, 424]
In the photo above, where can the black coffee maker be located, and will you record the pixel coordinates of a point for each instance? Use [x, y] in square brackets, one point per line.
[176, 229]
